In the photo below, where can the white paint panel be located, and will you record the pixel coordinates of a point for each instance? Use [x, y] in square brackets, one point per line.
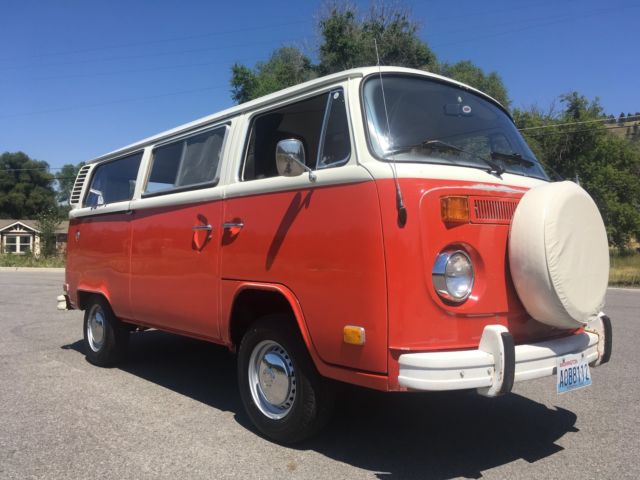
[116, 207]
[382, 170]
[330, 176]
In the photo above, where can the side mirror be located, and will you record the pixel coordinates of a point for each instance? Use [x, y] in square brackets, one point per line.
[290, 159]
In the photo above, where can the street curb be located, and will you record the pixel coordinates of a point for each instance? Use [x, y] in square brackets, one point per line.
[30, 269]
[61, 270]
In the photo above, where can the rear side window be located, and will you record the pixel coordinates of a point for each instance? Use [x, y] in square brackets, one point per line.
[320, 123]
[186, 164]
[113, 181]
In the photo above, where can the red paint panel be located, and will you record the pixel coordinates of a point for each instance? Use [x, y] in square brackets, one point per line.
[175, 269]
[231, 288]
[98, 258]
[418, 318]
[325, 245]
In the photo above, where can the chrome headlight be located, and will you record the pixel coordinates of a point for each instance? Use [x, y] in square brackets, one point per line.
[453, 275]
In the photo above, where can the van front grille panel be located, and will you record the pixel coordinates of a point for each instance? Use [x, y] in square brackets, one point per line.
[493, 210]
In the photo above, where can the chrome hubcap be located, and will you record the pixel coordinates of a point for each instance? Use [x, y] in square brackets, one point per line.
[272, 379]
[95, 328]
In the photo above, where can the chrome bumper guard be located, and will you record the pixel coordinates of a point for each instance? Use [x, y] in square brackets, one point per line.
[498, 363]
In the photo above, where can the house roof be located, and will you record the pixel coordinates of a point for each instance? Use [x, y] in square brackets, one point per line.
[30, 224]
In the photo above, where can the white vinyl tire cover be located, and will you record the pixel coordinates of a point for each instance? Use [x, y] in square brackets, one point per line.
[559, 255]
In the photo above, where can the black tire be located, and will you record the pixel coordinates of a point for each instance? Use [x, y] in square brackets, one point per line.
[310, 400]
[109, 348]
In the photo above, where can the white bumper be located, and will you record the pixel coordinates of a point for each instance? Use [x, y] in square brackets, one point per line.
[496, 364]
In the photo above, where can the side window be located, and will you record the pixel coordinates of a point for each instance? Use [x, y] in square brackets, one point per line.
[113, 181]
[185, 164]
[320, 123]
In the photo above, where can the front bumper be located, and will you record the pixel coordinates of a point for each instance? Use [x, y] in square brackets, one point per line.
[498, 363]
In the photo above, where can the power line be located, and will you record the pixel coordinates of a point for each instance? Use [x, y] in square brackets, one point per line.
[161, 40]
[161, 67]
[221, 33]
[529, 27]
[29, 169]
[502, 10]
[149, 55]
[631, 118]
[114, 102]
[571, 132]
[238, 30]
[562, 18]
[136, 70]
[518, 23]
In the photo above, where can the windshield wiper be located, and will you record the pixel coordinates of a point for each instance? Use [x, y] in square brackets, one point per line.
[447, 147]
[512, 158]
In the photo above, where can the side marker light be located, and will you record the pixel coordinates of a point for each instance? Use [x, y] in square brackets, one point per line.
[353, 335]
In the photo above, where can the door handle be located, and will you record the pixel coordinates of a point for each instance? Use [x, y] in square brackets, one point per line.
[202, 227]
[233, 225]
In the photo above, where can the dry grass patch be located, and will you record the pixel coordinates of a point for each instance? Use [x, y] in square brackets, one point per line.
[625, 270]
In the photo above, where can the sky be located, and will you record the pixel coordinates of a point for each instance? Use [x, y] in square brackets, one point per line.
[81, 78]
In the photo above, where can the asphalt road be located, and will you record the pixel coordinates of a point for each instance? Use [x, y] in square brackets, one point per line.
[173, 411]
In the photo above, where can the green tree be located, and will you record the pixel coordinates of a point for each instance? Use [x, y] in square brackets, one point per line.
[47, 222]
[349, 42]
[65, 178]
[286, 67]
[607, 166]
[466, 72]
[26, 186]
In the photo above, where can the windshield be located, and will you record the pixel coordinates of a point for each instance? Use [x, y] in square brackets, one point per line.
[432, 122]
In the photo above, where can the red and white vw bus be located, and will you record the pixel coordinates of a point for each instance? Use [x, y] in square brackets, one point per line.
[387, 227]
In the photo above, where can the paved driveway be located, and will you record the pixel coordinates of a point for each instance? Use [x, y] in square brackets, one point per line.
[173, 411]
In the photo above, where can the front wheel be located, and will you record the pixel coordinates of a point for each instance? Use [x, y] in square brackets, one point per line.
[283, 394]
[105, 338]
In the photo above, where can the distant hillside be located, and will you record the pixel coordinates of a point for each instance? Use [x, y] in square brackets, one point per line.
[629, 129]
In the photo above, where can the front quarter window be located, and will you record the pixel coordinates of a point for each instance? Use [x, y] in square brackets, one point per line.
[419, 120]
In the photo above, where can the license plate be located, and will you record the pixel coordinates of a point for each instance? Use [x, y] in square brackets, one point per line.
[573, 373]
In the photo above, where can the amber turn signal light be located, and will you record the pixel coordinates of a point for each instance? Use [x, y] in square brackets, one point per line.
[454, 209]
[353, 335]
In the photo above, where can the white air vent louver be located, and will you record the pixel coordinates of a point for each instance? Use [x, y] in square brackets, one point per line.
[76, 193]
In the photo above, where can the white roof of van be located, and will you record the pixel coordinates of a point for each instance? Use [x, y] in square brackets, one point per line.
[274, 97]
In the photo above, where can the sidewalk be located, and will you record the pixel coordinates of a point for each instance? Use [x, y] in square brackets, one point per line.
[31, 269]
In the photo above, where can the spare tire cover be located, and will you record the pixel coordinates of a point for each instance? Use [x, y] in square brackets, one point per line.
[559, 255]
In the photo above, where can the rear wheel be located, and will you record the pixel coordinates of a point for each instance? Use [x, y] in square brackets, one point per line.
[283, 394]
[105, 338]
